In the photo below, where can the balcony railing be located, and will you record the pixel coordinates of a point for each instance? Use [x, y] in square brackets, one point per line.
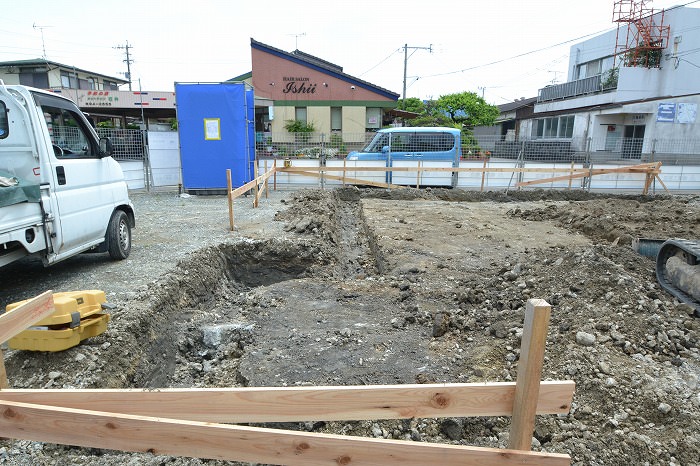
[592, 85]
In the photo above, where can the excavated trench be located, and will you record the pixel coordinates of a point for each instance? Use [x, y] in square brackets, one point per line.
[204, 317]
[197, 313]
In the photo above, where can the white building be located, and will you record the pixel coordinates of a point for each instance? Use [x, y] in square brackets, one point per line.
[631, 92]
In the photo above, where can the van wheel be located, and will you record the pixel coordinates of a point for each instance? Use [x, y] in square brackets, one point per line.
[119, 236]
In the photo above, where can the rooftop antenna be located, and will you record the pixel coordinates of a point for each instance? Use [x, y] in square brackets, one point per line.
[43, 45]
[554, 79]
[296, 39]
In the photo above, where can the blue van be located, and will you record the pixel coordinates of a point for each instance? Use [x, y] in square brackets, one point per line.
[412, 144]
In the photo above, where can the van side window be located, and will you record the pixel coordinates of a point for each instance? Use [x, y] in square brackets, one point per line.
[4, 125]
[68, 137]
[433, 142]
[401, 142]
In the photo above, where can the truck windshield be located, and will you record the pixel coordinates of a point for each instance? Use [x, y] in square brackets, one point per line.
[4, 126]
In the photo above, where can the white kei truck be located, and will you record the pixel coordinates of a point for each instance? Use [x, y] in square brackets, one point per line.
[61, 192]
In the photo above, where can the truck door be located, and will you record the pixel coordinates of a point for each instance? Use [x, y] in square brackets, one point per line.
[82, 182]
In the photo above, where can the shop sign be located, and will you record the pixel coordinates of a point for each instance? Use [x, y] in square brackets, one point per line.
[666, 113]
[296, 85]
[100, 99]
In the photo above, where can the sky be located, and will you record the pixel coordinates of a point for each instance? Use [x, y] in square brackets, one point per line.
[502, 50]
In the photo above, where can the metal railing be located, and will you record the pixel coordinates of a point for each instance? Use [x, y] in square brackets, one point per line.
[310, 145]
[127, 144]
[591, 85]
[605, 149]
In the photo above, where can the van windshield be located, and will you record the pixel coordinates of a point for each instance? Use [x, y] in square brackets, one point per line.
[376, 144]
[419, 141]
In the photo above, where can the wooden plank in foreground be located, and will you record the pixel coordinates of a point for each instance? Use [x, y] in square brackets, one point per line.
[3, 373]
[291, 404]
[21, 317]
[18, 319]
[240, 443]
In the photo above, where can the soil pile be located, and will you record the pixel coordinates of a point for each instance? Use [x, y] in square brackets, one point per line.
[358, 286]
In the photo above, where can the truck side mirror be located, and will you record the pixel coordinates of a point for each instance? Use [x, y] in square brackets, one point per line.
[106, 149]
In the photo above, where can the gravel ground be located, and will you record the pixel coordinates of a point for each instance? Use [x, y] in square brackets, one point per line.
[404, 286]
[168, 228]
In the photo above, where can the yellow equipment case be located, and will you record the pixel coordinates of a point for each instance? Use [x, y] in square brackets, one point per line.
[78, 316]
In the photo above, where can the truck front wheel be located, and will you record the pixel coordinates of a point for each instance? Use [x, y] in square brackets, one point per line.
[119, 236]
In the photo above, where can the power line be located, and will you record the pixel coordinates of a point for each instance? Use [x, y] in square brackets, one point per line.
[517, 56]
[381, 62]
[539, 50]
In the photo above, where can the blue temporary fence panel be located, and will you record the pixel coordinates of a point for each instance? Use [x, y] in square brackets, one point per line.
[216, 126]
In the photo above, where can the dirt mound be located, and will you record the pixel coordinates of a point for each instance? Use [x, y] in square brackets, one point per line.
[373, 286]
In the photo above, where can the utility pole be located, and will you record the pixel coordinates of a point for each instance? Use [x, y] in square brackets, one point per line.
[405, 66]
[128, 60]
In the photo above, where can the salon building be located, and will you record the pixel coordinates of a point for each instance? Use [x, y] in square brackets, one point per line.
[299, 86]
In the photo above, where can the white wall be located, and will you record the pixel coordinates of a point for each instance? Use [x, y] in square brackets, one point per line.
[164, 156]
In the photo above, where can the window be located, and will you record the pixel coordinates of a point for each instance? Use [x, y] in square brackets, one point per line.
[69, 80]
[336, 118]
[4, 125]
[67, 133]
[40, 80]
[594, 67]
[88, 83]
[374, 118]
[109, 85]
[419, 141]
[300, 114]
[561, 127]
[379, 141]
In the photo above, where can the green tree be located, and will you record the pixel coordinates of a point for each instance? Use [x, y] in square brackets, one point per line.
[468, 109]
[412, 104]
[436, 119]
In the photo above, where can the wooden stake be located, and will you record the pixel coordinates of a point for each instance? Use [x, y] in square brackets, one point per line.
[483, 176]
[571, 174]
[267, 191]
[230, 197]
[647, 184]
[274, 175]
[662, 183]
[257, 185]
[161, 436]
[527, 385]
